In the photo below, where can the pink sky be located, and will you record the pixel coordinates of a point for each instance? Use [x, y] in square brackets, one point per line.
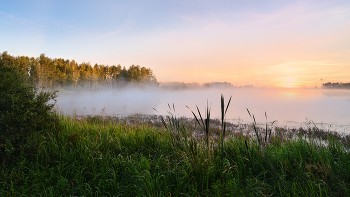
[289, 44]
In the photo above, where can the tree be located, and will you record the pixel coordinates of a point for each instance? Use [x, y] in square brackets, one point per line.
[60, 73]
[23, 110]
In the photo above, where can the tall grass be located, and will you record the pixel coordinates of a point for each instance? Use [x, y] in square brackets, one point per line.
[104, 158]
[268, 131]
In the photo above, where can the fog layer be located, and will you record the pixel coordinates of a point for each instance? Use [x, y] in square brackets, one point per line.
[287, 106]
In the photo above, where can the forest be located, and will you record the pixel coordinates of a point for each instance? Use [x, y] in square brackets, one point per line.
[337, 85]
[45, 153]
[61, 73]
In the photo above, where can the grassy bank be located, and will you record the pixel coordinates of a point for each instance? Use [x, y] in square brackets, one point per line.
[104, 158]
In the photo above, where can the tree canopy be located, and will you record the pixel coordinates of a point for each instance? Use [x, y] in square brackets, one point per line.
[336, 85]
[61, 73]
[23, 108]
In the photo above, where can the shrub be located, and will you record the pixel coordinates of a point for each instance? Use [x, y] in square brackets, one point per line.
[23, 110]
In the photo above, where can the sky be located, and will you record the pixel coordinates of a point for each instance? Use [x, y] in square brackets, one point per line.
[271, 43]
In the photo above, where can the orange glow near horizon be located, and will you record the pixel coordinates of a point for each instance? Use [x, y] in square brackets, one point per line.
[288, 44]
[287, 75]
[288, 82]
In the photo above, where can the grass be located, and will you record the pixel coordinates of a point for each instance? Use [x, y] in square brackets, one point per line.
[102, 156]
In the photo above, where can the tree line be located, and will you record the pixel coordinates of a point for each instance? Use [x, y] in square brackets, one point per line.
[61, 73]
[336, 85]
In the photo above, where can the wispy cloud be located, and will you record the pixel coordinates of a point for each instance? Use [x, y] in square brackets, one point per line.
[112, 33]
[71, 27]
[296, 74]
[343, 48]
[8, 15]
[346, 50]
[20, 20]
[125, 25]
[283, 44]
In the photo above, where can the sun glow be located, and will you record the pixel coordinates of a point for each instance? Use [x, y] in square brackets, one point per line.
[289, 94]
[288, 82]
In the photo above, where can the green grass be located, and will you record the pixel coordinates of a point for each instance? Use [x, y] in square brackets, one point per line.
[108, 159]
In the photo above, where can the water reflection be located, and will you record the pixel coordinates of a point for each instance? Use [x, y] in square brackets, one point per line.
[291, 107]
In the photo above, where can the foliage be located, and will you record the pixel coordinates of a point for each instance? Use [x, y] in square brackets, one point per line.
[336, 85]
[23, 110]
[95, 159]
[98, 157]
[60, 73]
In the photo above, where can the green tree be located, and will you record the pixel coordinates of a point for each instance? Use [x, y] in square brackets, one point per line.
[23, 110]
[60, 73]
[7, 59]
[34, 70]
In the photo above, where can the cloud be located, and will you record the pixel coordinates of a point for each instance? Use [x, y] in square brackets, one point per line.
[7, 15]
[112, 33]
[20, 20]
[297, 74]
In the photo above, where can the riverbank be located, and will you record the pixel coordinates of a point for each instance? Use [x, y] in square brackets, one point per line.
[99, 156]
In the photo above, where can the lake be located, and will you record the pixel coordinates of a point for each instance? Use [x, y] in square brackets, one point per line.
[328, 109]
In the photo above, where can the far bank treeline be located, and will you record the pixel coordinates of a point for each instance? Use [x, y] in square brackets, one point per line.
[60, 73]
[337, 85]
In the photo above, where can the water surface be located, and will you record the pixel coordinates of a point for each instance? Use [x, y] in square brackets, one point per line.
[328, 109]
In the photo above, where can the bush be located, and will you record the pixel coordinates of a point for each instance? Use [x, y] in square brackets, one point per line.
[23, 110]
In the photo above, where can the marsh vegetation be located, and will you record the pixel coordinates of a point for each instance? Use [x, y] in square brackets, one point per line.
[99, 156]
[44, 153]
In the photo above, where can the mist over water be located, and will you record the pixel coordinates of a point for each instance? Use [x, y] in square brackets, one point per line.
[328, 109]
